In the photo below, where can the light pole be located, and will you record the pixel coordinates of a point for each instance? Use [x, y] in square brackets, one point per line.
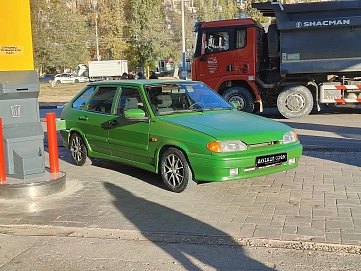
[184, 69]
[96, 35]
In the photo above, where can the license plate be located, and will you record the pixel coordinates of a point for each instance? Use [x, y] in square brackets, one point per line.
[262, 161]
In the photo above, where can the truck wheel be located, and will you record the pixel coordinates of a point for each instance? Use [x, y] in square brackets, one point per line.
[241, 97]
[295, 102]
[272, 40]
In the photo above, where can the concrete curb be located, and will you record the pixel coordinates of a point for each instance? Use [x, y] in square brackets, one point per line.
[215, 240]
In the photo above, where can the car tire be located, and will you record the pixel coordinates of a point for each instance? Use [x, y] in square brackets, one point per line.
[241, 97]
[78, 150]
[175, 171]
[295, 102]
[58, 81]
[76, 81]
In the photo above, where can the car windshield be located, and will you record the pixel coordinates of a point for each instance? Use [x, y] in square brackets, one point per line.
[183, 97]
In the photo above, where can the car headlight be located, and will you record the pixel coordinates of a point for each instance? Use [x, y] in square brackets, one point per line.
[289, 137]
[226, 146]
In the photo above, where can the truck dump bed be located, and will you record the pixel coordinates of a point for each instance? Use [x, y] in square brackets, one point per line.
[317, 37]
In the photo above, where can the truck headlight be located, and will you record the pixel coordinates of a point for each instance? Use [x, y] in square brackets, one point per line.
[226, 146]
[289, 137]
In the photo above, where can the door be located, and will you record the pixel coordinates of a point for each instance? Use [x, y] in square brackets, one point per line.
[129, 139]
[216, 60]
[247, 41]
[94, 121]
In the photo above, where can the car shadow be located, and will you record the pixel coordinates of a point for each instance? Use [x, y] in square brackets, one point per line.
[189, 241]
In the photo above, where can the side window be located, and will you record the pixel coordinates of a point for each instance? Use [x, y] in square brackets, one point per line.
[81, 101]
[102, 100]
[217, 41]
[128, 99]
[241, 38]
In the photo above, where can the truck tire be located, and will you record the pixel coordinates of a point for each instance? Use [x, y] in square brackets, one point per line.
[241, 97]
[295, 102]
[272, 40]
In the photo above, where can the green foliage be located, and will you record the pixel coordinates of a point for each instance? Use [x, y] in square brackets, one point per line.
[140, 31]
[254, 13]
[59, 35]
[210, 10]
[111, 23]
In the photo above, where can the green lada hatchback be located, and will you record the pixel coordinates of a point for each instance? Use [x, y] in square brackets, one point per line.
[180, 129]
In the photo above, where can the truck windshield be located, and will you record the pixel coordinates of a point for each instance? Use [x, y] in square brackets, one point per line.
[184, 97]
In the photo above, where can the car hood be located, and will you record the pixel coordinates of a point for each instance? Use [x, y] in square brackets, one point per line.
[227, 125]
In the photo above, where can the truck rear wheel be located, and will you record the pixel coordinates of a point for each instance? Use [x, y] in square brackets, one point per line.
[272, 40]
[241, 97]
[295, 102]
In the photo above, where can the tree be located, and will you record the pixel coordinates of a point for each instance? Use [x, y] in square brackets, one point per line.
[145, 31]
[59, 35]
[210, 10]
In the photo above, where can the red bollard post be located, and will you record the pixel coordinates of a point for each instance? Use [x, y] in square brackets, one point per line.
[52, 143]
[2, 155]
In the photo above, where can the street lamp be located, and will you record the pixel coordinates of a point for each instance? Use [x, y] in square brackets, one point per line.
[184, 69]
[96, 35]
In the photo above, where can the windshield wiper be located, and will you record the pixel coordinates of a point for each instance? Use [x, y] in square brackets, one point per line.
[219, 108]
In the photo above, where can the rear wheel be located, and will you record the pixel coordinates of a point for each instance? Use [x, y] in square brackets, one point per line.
[175, 171]
[272, 38]
[78, 150]
[295, 102]
[241, 97]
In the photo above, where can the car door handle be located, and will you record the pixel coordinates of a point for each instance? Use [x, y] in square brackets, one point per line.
[83, 118]
[113, 122]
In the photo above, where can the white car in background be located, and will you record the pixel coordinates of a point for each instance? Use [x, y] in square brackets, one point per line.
[69, 78]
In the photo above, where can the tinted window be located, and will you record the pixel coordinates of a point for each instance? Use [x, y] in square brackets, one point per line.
[129, 99]
[83, 99]
[102, 100]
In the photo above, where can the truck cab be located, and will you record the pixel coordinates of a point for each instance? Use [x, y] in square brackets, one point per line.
[228, 55]
[309, 55]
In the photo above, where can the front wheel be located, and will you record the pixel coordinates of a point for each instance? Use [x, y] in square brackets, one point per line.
[295, 102]
[78, 150]
[241, 97]
[175, 171]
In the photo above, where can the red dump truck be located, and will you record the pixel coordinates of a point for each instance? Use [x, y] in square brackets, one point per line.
[310, 55]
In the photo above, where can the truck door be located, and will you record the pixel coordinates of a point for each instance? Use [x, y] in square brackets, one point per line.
[244, 52]
[216, 59]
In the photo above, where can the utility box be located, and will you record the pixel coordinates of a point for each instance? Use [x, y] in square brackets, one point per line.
[23, 135]
[318, 37]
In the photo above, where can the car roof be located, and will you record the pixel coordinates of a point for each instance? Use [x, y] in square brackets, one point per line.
[140, 82]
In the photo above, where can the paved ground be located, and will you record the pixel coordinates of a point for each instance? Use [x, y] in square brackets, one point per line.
[317, 205]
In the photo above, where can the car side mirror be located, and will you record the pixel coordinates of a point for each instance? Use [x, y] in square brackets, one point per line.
[135, 114]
